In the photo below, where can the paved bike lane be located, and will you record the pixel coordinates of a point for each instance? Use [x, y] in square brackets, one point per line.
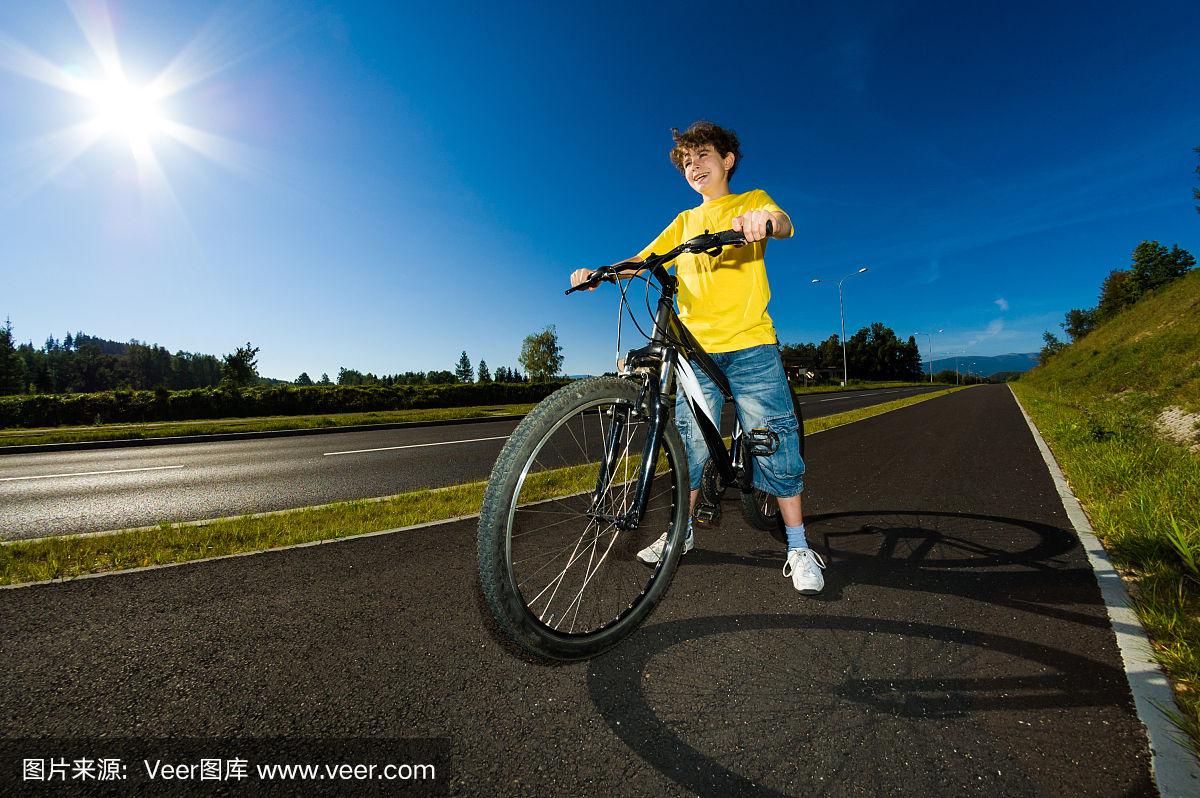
[960, 647]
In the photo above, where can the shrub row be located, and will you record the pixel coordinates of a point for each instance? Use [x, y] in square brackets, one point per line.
[50, 410]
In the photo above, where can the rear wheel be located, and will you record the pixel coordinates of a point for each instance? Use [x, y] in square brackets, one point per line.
[561, 579]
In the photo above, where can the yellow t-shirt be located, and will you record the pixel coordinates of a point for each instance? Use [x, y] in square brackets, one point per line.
[723, 299]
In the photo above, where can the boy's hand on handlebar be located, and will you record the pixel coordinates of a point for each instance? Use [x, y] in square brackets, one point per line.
[753, 225]
[580, 276]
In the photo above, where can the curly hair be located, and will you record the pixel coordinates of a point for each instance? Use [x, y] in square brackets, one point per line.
[703, 133]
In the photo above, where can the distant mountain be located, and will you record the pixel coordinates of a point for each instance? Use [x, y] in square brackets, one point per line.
[987, 366]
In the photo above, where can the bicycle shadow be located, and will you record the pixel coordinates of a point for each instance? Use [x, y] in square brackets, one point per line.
[993, 559]
[856, 702]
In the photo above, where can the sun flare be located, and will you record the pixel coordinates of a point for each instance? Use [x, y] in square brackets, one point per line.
[136, 113]
[126, 109]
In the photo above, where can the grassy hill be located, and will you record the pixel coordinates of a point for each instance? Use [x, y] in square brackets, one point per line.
[1101, 404]
[1149, 354]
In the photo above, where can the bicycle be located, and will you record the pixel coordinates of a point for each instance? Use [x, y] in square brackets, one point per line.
[597, 471]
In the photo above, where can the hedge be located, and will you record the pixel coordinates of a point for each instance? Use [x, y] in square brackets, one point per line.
[51, 410]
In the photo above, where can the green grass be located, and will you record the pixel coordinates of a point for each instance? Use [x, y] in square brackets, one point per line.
[16, 436]
[71, 556]
[1095, 404]
[165, 429]
[1148, 355]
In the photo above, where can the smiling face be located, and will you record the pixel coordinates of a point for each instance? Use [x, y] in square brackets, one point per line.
[707, 171]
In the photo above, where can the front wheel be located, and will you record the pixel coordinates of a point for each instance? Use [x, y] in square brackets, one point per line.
[561, 580]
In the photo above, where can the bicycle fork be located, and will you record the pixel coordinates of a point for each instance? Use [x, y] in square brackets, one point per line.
[615, 450]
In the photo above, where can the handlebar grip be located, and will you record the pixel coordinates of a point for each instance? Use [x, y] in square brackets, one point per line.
[735, 238]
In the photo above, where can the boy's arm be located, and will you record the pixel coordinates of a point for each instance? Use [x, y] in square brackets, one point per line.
[667, 239]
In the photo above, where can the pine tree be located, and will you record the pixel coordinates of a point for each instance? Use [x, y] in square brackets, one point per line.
[463, 370]
[1154, 265]
[484, 374]
[304, 379]
[12, 367]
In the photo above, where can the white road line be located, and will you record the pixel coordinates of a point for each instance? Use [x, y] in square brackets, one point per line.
[91, 473]
[416, 445]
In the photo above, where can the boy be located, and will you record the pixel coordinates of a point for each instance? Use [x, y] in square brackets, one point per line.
[723, 302]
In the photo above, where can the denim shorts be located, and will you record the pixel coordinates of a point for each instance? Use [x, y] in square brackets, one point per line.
[764, 399]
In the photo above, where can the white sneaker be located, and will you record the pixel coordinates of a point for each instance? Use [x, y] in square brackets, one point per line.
[653, 553]
[804, 567]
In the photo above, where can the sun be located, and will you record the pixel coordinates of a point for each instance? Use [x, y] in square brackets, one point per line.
[126, 109]
[116, 106]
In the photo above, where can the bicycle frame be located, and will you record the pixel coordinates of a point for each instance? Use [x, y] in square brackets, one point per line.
[669, 355]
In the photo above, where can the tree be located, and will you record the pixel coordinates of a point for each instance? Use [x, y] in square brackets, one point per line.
[463, 370]
[240, 369]
[1116, 293]
[541, 355]
[350, 377]
[325, 380]
[1052, 347]
[12, 367]
[304, 379]
[1079, 323]
[484, 374]
[1153, 265]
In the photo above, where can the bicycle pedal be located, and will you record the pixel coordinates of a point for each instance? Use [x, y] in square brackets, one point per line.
[761, 441]
[708, 514]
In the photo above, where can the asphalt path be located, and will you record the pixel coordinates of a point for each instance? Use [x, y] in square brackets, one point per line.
[960, 646]
[70, 492]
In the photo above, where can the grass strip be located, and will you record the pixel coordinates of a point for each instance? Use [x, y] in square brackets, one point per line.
[166, 429]
[1142, 496]
[70, 556]
[13, 436]
[815, 425]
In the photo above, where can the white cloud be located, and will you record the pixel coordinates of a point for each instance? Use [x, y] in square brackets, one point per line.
[1002, 303]
[994, 328]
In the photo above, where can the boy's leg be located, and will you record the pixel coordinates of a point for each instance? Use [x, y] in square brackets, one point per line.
[697, 454]
[764, 400]
[693, 439]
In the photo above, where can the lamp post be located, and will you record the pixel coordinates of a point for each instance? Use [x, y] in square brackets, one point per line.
[842, 314]
[929, 340]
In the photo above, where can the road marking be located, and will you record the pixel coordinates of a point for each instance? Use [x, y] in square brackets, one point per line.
[91, 473]
[416, 445]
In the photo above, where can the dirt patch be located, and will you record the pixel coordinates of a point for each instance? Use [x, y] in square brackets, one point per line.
[1180, 426]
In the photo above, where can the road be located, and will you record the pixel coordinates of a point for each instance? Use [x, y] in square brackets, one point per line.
[960, 647]
[94, 490]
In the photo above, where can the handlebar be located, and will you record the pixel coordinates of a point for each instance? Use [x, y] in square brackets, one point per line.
[709, 243]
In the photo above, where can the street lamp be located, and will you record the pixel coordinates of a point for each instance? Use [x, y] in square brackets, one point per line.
[842, 313]
[929, 340]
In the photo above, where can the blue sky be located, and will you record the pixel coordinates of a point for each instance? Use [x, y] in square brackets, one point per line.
[381, 186]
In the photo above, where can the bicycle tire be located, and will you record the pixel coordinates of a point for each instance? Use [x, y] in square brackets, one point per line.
[540, 472]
